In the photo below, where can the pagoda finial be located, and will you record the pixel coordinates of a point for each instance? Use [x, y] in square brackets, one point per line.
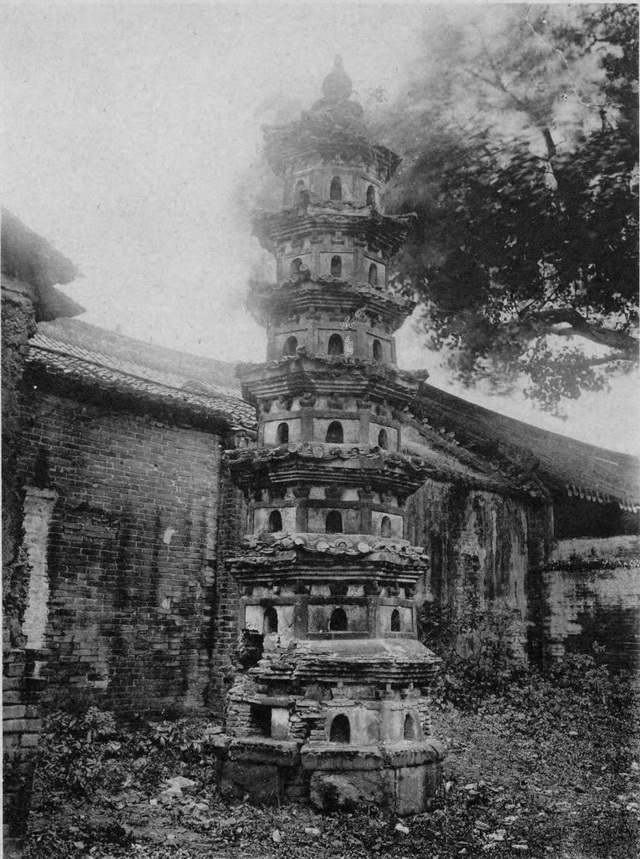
[337, 84]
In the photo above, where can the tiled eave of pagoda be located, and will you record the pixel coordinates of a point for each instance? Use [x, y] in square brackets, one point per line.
[321, 374]
[380, 661]
[379, 231]
[318, 135]
[318, 559]
[350, 465]
[326, 294]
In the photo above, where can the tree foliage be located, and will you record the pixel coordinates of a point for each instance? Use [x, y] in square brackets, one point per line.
[519, 133]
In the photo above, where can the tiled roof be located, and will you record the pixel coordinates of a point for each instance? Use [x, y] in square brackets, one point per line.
[29, 258]
[94, 356]
[562, 463]
[91, 355]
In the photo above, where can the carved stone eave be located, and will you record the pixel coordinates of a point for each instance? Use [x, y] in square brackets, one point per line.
[325, 294]
[326, 136]
[314, 460]
[350, 465]
[383, 232]
[324, 375]
[380, 661]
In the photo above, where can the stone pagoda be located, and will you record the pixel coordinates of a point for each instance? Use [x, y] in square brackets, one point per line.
[331, 706]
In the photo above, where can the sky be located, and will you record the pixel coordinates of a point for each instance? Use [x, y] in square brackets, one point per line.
[130, 127]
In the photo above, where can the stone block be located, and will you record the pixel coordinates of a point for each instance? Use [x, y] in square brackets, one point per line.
[410, 795]
[261, 782]
[331, 791]
[16, 711]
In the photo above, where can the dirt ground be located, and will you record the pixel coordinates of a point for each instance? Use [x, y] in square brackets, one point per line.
[546, 769]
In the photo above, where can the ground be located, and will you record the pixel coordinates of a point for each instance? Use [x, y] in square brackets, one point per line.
[537, 766]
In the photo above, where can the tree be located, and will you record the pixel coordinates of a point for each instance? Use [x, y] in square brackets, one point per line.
[520, 142]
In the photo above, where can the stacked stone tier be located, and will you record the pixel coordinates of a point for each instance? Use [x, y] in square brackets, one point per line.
[333, 135]
[304, 376]
[303, 560]
[317, 298]
[306, 463]
[377, 661]
[382, 233]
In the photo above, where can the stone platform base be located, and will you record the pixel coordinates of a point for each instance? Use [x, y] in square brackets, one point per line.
[403, 777]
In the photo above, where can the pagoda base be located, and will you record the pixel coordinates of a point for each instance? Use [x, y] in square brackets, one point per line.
[402, 777]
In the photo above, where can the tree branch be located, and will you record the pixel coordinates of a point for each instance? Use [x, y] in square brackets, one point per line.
[619, 341]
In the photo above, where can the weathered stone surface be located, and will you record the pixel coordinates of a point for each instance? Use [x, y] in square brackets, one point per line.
[261, 782]
[331, 791]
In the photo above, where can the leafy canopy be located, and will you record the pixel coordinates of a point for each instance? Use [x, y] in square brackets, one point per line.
[519, 133]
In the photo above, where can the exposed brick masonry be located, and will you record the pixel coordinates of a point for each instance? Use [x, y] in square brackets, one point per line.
[131, 553]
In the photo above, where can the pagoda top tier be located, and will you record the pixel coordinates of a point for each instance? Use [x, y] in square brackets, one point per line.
[332, 129]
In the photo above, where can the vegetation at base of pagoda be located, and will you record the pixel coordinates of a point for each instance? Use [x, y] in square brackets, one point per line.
[519, 135]
[537, 764]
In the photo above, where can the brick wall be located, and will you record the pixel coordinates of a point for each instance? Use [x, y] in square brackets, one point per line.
[231, 527]
[484, 550]
[130, 560]
[592, 597]
[21, 718]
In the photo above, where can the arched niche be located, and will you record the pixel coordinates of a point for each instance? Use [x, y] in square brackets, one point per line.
[296, 265]
[395, 620]
[385, 527]
[340, 731]
[373, 274]
[336, 266]
[335, 190]
[371, 196]
[301, 192]
[377, 350]
[282, 433]
[290, 346]
[269, 620]
[335, 433]
[383, 439]
[409, 728]
[338, 620]
[333, 522]
[336, 345]
[275, 521]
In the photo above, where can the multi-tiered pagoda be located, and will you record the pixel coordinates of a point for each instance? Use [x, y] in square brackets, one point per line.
[332, 705]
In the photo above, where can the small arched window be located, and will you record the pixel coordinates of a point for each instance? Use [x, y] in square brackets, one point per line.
[373, 274]
[333, 522]
[301, 192]
[377, 350]
[409, 731]
[338, 620]
[282, 434]
[340, 730]
[269, 620]
[335, 191]
[275, 521]
[290, 346]
[385, 527]
[336, 266]
[296, 265]
[371, 196]
[335, 433]
[383, 439]
[336, 345]
[395, 620]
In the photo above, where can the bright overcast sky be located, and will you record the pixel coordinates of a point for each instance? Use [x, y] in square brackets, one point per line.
[129, 128]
